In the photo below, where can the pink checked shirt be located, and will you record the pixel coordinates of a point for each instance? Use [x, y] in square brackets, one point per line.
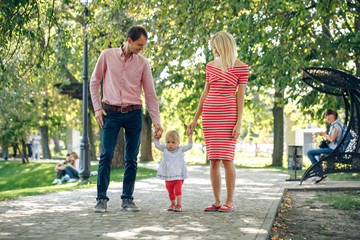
[123, 82]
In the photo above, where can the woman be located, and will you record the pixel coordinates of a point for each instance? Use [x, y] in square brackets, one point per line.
[36, 146]
[72, 169]
[334, 137]
[60, 170]
[221, 114]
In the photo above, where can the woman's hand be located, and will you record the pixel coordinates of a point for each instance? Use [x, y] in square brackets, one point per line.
[322, 133]
[191, 127]
[236, 131]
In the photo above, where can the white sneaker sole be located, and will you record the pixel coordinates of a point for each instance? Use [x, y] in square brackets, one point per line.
[99, 210]
[132, 209]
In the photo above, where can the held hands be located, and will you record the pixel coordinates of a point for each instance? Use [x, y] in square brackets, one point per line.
[158, 131]
[99, 116]
[190, 128]
[190, 137]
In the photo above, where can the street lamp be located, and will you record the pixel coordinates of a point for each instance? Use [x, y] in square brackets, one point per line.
[84, 168]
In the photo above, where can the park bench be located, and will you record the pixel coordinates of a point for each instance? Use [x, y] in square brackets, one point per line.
[345, 157]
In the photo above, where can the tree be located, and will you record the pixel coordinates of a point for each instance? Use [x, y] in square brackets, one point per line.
[276, 39]
[27, 56]
[180, 47]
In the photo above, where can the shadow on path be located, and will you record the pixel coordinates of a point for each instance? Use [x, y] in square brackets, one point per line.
[68, 215]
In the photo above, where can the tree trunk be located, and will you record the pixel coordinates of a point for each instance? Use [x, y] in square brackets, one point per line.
[119, 158]
[24, 157]
[146, 139]
[44, 130]
[278, 113]
[57, 147]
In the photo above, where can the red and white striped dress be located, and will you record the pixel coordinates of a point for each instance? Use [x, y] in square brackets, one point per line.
[219, 113]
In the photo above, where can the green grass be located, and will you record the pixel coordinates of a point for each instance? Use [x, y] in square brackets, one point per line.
[20, 180]
[342, 200]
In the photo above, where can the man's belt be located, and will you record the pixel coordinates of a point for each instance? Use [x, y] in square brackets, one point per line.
[122, 109]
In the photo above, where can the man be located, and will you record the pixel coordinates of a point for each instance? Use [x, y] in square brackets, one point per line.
[124, 73]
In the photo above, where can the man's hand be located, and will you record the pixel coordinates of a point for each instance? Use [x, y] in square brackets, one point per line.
[158, 131]
[99, 116]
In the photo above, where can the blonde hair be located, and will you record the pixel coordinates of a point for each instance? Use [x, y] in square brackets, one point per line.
[225, 45]
[172, 134]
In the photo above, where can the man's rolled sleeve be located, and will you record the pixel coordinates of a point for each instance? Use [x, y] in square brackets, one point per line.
[152, 102]
[96, 78]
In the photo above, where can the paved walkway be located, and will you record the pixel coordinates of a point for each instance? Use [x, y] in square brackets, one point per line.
[69, 215]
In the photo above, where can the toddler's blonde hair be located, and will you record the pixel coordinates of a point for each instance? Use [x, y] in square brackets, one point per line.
[225, 45]
[172, 134]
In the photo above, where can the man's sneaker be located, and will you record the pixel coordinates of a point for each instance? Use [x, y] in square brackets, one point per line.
[129, 205]
[56, 181]
[101, 205]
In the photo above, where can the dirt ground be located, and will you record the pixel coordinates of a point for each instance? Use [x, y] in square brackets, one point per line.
[303, 215]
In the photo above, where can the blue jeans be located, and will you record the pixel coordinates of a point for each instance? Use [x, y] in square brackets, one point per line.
[71, 172]
[113, 121]
[314, 156]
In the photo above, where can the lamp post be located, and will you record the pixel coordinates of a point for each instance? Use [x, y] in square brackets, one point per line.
[84, 168]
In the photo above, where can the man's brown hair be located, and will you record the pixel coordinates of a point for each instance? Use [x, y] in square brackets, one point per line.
[135, 33]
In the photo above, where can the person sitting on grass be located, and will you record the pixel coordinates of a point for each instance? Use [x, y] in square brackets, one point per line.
[72, 169]
[60, 170]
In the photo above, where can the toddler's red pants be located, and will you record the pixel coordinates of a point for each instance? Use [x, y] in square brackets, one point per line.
[174, 188]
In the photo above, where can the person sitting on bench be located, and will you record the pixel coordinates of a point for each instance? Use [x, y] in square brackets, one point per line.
[334, 136]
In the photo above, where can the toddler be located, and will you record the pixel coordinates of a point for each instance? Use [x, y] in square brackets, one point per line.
[172, 168]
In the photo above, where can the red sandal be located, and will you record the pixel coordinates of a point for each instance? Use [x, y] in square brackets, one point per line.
[226, 208]
[213, 208]
[171, 207]
[178, 208]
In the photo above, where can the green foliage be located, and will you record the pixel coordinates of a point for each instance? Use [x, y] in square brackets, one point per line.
[29, 71]
[14, 17]
[41, 44]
